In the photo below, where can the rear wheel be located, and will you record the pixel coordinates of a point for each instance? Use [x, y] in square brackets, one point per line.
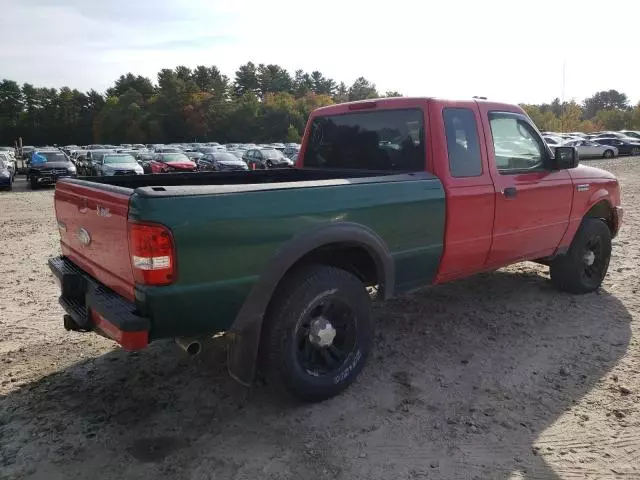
[318, 332]
[584, 266]
[33, 183]
[608, 154]
[635, 151]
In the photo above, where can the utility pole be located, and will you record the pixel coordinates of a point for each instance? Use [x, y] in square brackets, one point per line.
[564, 70]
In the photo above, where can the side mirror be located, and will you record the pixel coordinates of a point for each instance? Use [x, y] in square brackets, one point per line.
[565, 158]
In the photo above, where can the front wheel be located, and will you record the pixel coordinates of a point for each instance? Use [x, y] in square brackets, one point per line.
[318, 332]
[33, 183]
[608, 154]
[635, 151]
[583, 268]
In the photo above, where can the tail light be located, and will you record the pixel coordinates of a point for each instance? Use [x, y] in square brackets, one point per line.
[153, 258]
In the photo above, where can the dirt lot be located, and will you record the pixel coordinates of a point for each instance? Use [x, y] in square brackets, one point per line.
[498, 376]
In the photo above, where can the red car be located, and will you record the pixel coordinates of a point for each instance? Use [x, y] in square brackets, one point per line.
[172, 162]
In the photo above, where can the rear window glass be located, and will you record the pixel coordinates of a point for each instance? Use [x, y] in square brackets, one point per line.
[463, 145]
[377, 140]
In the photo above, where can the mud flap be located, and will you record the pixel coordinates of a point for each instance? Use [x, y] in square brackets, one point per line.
[242, 352]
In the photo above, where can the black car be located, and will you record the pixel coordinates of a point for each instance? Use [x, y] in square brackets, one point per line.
[625, 147]
[144, 160]
[266, 158]
[47, 166]
[221, 161]
[93, 159]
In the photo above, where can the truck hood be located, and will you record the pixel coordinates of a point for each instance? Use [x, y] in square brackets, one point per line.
[233, 163]
[122, 166]
[39, 166]
[182, 165]
[584, 172]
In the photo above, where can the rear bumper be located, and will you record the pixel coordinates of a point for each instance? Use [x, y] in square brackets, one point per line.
[93, 307]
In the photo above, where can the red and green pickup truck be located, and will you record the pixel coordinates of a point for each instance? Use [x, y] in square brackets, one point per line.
[387, 195]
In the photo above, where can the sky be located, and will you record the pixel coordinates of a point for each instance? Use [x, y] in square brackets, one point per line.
[505, 50]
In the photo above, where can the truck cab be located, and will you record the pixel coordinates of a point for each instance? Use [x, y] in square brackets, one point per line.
[509, 197]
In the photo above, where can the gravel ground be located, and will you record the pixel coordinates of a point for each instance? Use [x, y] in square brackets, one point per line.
[497, 376]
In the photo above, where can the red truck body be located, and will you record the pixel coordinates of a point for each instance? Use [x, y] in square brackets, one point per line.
[486, 229]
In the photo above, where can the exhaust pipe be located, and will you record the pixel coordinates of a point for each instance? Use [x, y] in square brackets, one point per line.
[190, 345]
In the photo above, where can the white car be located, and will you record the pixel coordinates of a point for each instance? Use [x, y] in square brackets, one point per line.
[587, 148]
[12, 165]
[553, 141]
[635, 134]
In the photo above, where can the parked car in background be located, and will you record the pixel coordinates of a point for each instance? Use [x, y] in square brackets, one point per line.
[588, 148]
[291, 149]
[26, 152]
[172, 162]
[6, 175]
[46, 166]
[237, 153]
[553, 141]
[619, 135]
[9, 153]
[193, 154]
[631, 133]
[266, 158]
[168, 150]
[93, 159]
[144, 159]
[624, 145]
[117, 164]
[221, 161]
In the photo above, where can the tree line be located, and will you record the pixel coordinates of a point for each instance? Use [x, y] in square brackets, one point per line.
[262, 103]
[605, 110]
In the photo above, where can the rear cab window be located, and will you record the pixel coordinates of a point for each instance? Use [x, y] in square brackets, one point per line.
[390, 139]
[463, 144]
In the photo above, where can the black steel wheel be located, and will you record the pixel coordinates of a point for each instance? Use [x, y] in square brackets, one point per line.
[583, 268]
[318, 332]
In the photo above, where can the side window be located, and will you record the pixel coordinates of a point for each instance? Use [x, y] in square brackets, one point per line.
[517, 145]
[462, 142]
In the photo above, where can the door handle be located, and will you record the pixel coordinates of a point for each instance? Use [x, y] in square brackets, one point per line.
[510, 192]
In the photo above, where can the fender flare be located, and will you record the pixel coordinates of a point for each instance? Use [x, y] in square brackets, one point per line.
[597, 197]
[246, 330]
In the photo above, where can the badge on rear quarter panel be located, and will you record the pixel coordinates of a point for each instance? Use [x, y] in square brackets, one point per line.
[84, 237]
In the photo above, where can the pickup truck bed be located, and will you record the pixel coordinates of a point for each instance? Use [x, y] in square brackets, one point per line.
[250, 226]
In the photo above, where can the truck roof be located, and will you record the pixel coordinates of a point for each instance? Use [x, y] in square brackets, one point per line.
[404, 102]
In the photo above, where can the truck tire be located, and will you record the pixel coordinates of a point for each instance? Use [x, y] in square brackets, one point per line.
[584, 266]
[318, 333]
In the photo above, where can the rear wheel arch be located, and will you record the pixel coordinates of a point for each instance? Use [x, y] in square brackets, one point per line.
[349, 246]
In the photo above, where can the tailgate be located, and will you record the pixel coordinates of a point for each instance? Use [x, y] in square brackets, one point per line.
[92, 221]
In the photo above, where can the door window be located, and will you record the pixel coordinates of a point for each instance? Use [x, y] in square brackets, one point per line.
[517, 146]
[462, 142]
